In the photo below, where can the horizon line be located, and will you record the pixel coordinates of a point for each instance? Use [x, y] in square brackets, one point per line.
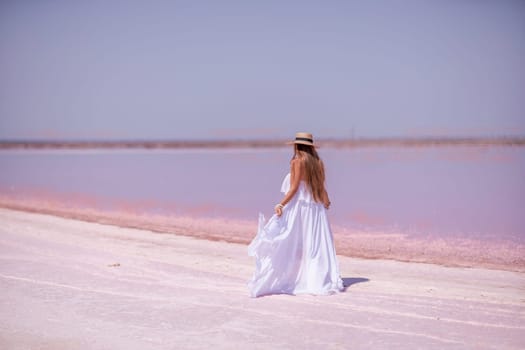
[261, 143]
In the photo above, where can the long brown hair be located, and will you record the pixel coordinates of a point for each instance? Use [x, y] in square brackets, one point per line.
[313, 169]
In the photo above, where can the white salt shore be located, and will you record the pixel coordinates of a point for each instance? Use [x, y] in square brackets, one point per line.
[68, 284]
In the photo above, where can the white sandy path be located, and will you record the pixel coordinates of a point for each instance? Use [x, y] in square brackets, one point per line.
[59, 291]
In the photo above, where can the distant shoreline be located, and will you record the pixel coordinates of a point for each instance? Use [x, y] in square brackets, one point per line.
[329, 143]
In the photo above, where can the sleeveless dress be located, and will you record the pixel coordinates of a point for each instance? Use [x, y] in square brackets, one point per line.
[295, 252]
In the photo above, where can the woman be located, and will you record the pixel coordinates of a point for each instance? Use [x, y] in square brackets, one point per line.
[294, 250]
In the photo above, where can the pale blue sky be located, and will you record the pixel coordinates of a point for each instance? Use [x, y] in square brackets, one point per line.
[254, 69]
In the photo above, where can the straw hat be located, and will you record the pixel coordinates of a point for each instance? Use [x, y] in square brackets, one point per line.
[303, 138]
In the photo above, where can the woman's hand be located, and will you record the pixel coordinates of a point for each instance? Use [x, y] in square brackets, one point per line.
[278, 209]
[327, 204]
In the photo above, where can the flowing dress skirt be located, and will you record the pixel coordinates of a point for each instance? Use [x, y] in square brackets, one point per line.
[295, 253]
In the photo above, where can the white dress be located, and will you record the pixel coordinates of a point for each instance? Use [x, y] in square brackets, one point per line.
[295, 252]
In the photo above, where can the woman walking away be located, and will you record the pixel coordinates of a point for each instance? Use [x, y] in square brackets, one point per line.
[294, 250]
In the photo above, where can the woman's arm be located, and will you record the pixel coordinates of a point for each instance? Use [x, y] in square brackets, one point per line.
[296, 174]
[326, 200]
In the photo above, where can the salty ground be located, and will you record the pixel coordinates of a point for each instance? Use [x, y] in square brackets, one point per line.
[68, 284]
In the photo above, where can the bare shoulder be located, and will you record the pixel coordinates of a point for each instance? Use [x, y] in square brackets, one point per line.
[296, 162]
[296, 168]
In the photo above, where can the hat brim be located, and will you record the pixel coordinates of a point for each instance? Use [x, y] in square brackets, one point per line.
[301, 143]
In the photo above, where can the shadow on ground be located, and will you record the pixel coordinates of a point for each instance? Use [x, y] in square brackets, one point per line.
[348, 281]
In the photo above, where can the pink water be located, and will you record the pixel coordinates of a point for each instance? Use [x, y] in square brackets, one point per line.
[445, 195]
